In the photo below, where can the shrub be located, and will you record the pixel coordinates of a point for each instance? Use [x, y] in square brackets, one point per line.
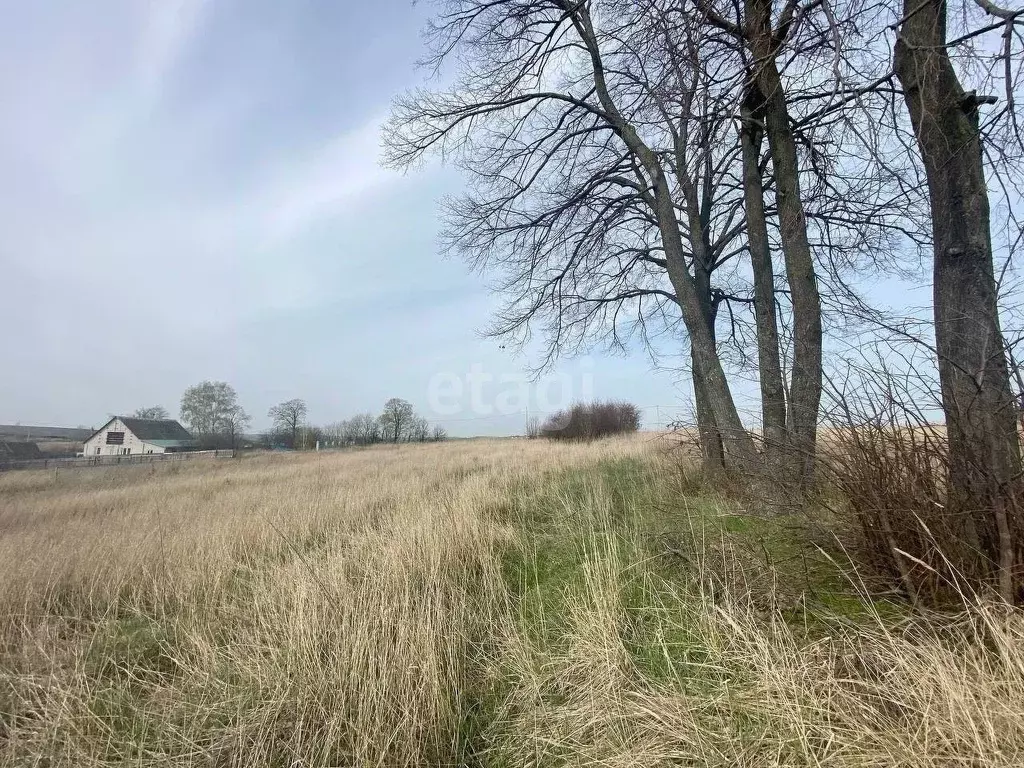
[891, 465]
[592, 421]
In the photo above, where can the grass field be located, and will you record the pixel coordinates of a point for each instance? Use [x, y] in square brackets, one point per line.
[498, 603]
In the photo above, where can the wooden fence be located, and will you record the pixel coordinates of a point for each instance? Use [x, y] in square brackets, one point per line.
[107, 461]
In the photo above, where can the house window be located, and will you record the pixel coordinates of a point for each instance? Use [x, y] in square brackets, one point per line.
[115, 438]
[97, 450]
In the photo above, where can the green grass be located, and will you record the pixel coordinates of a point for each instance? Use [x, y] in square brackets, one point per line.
[139, 643]
[657, 538]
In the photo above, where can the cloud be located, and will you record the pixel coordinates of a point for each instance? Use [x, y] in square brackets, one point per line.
[336, 177]
[124, 173]
[190, 189]
[167, 31]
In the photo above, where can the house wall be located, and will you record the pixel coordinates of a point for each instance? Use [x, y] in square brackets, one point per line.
[97, 444]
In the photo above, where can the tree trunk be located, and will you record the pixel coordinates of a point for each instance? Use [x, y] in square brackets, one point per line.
[805, 387]
[738, 445]
[711, 447]
[773, 391]
[984, 451]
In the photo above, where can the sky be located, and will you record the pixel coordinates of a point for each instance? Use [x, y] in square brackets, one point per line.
[191, 190]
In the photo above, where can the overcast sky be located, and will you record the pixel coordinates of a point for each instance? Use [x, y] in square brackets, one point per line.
[190, 189]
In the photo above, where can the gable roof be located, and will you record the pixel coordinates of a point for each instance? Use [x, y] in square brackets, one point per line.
[156, 429]
[19, 451]
[152, 429]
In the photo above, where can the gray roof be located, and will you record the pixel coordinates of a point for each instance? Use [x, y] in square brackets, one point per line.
[19, 451]
[43, 433]
[156, 429]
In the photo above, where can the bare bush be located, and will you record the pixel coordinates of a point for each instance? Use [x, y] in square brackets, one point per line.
[892, 465]
[592, 421]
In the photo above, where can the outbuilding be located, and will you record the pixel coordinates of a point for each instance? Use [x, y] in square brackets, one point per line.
[126, 436]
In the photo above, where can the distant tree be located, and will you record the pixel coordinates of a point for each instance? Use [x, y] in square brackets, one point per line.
[362, 429]
[308, 437]
[333, 434]
[440, 434]
[288, 418]
[233, 424]
[153, 412]
[397, 418]
[211, 408]
[418, 430]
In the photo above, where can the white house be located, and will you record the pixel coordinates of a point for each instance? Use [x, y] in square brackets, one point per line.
[124, 436]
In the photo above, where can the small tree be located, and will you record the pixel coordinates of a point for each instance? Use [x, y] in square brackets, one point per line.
[396, 419]
[288, 418]
[440, 434]
[233, 424]
[154, 412]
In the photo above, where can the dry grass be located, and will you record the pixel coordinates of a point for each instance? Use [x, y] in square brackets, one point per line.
[654, 669]
[312, 608]
[486, 603]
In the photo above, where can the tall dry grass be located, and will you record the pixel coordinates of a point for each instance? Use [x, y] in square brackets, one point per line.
[308, 610]
[484, 603]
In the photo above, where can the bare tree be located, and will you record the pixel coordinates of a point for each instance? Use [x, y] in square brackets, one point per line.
[418, 430]
[764, 39]
[363, 429]
[288, 418]
[550, 119]
[233, 424]
[772, 384]
[398, 417]
[156, 412]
